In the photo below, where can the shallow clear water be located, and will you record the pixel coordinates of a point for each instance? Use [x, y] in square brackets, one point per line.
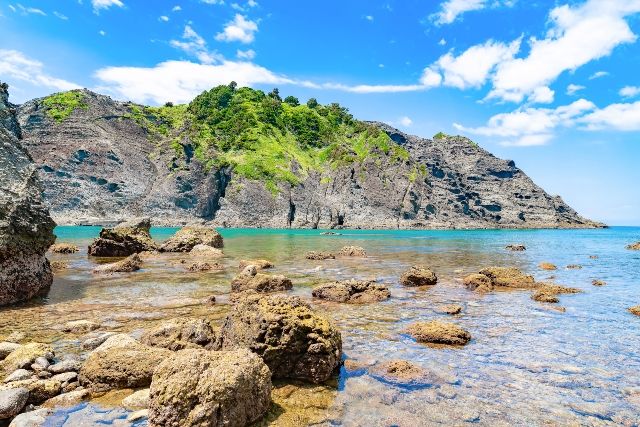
[527, 364]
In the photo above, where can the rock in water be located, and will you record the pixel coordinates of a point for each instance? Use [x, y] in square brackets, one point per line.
[64, 248]
[352, 251]
[419, 276]
[124, 239]
[179, 334]
[250, 280]
[319, 255]
[352, 291]
[209, 389]
[26, 229]
[293, 341]
[634, 246]
[187, 238]
[437, 332]
[516, 248]
[128, 265]
[261, 264]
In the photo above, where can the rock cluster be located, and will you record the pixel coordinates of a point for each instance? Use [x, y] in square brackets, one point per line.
[26, 229]
[437, 332]
[418, 276]
[124, 239]
[292, 340]
[187, 238]
[250, 280]
[352, 291]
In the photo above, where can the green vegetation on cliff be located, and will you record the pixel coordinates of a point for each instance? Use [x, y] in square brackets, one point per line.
[60, 105]
[264, 137]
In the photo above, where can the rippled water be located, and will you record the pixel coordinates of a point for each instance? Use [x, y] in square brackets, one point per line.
[527, 364]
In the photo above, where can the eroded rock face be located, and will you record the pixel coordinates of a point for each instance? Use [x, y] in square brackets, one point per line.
[418, 276]
[204, 388]
[352, 291]
[26, 229]
[293, 341]
[124, 239]
[179, 334]
[250, 280]
[187, 238]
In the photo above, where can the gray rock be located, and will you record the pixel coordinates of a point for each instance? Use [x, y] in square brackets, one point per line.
[12, 401]
[42, 362]
[69, 365]
[137, 400]
[26, 229]
[128, 238]
[93, 343]
[6, 348]
[65, 377]
[35, 418]
[18, 375]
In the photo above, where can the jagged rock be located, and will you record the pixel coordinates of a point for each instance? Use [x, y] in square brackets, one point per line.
[64, 248]
[596, 282]
[418, 276]
[12, 401]
[179, 334]
[635, 310]
[450, 309]
[35, 418]
[205, 251]
[516, 248]
[352, 291]
[121, 362]
[124, 239]
[250, 280]
[6, 348]
[316, 255]
[634, 246]
[137, 400]
[187, 238]
[547, 292]
[203, 266]
[128, 265]
[293, 341]
[26, 229]
[352, 251]
[25, 355]
[547, 266]
[202, 388]
[261, 264]
[437, 332]
[80, 326]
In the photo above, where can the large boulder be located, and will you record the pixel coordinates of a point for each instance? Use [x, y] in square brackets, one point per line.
[12, 401]
[186, 238]
[250, 280]
[121, 362]
[124, 239]
[210, 388]
[352, 291]
[294, 341]
[179, 334]
[418, 276]
[26, 229]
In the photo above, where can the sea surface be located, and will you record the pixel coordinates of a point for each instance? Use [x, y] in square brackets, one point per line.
[528, 363]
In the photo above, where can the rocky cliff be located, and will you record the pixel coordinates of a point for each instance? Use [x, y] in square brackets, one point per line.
[26, 229]
[240, 158]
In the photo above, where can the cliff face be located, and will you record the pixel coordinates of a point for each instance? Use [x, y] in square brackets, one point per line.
[101, 164]
[26, 229]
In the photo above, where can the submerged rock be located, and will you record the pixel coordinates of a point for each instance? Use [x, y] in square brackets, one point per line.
[250, 280]
[547, 266]
[634, 246]
[478, 282]
[187, 238]
[437, 332]
[352, 291]
[121, 362]
[499, 277]
[26, 229]
[318, 255]
[64, 248]
[418, 275]
[195, 267]
[124, 239]
[516, 248]
[449, 309]
[635, 310]
[179, 334]
[206, 251]
[402, 371]
[203, 388]
[352, 251]
[547, 292]
[293, 340]
[128, 265]
[596, 282]
[574, 267]
[260, 264]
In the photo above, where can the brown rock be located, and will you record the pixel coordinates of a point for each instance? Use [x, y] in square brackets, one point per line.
[352, 291]
[59, 265]
[635, 310]
[597, 282]
[124, 239]
[437, 332]
[261, 264]
[450, 309]
[25, 355]
[418, 276]
[402, 371]
[178, 334]
[508, 277]
[318, 255]
[128, 265]
[64, 248]
[208, 389]
[186, 238]
[547, 292]
[634, 246]
[203, 266]
[516, 248]
[478, 282]
[250, 280]
[547, 266]
[352, 251]
[80, 326]
[206, 251]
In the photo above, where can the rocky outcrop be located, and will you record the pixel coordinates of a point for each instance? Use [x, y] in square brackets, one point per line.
[352, 291]
[187, 238]
[437, 332]
[26, 229]
[418, 276]
[250, 280]
[203, 388]
[101, 164]
[292, 340]
[124, 239]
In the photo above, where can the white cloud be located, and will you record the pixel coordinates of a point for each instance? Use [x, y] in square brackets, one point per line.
[15, 65]
[365, 88]
[102, 33]
[622, 117]
[163, 18]
[406, 121]
[629, 91]
[240, 29]
[369, 18]
[598, 74]
[176, 8]
[187, 79]
[572, 89]
[577, 36]
[452, 9]
[442, 42]
[105, 4]
[542, 95]
[12, 7]
[60, 15]
[213, 1]
[29, 10]
[252, 3]
[472, 68]
[193, 44]
[246, 54]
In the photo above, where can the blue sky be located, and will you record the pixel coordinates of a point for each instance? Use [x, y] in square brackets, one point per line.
[553, 85]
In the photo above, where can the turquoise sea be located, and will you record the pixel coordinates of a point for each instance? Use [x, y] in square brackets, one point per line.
[529, 363]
